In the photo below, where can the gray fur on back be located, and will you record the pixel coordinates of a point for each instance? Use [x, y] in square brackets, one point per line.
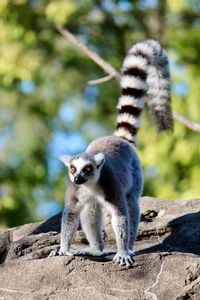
[121, 162]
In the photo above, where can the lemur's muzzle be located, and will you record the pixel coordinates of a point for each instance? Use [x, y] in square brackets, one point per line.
[79, 179]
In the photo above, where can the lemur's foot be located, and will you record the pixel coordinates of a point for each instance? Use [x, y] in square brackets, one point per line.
[124, 259]
[89, 251]
[60, 253]
[131, 252]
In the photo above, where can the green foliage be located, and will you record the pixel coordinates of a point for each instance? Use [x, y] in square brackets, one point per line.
[59, 11]
[42, 76]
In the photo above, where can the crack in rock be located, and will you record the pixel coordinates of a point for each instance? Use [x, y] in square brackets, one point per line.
[155, 283]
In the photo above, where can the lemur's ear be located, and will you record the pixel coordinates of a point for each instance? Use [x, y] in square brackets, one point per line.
[65, 159]
[99, 159]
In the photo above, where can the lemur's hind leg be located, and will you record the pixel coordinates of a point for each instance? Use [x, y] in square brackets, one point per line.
[134, 217]
[91, 222]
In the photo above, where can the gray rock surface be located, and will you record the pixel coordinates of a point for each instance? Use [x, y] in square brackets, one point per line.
[167, 261]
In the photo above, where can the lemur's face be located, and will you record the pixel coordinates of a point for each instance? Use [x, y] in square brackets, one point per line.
[84, 168]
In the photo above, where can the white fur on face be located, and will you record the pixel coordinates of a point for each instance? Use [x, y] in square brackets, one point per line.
[79, 164]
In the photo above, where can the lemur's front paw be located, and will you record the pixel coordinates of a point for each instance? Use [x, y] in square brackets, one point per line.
[89, 251]
[60, 253]
[131, 252]
[124, 259]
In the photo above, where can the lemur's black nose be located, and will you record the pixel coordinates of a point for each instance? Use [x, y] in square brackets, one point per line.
[79, 179]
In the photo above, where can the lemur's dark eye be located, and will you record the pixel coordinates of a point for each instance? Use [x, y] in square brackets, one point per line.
[87, 169]
[72, 169]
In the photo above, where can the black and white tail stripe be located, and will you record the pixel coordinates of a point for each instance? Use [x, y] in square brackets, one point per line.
[144, 78]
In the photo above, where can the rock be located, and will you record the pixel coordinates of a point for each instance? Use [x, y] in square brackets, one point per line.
[172, 225]
[167, 261]
[4, 245]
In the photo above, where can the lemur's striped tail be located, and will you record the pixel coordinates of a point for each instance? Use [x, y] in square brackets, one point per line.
[145, 77]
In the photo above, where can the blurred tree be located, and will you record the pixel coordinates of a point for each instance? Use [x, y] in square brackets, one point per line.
[47, 108]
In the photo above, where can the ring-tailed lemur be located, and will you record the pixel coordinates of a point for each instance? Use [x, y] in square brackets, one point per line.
[108, 174]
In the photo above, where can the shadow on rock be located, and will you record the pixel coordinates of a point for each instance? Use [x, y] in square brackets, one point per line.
[184, 237]
[51, 224]
[184, 234]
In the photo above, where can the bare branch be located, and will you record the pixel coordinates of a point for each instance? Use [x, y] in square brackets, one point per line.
[186, 122]
[112, 73]
[93, 55]
[101, 80]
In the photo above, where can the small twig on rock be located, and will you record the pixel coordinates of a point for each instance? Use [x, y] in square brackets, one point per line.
[158, 236]
[19, 291]
[123, 290]
[155, 283]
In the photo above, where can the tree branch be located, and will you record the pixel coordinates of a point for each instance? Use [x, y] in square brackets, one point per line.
[112, 73]
[193, 126]
[93, 55]
[101, 80]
